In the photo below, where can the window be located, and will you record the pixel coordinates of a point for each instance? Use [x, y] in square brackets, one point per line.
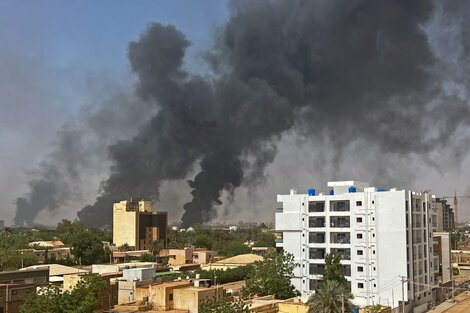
[339, 206]
[347, 270]
[316, 269]
[373, 201]
[314, 283]
[358, 203]
[373, 218]
[360, 285]
[317, 253]
[360, 252]
[373, 235]
[344, 238]
[359, 219]
[316, 206]
[359, 236]
[14, 292]
[339, 221]
[170, 297]
[315, 221]
[316, 237]
[360, 269]
[344, 253]
[373, 251]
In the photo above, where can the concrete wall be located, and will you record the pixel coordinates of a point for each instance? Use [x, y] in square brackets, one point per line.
[141, 274]
[192, 298]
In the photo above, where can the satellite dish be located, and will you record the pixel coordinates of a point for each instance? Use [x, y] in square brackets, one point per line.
[304, 298]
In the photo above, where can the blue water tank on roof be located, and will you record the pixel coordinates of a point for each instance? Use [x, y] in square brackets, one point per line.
[331, 192]
[382, 190]
[311, 192]
[352, 189]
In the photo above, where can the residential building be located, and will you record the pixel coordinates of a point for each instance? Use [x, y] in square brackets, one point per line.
[137, 225]
[192, 298]
[45, 255]
[233, 262]
[161, 295]
[15, 286]
[384, 237]
[442, 257]
[442, 216]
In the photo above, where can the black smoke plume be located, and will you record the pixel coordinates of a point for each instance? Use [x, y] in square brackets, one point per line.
[342, 71]
[345, 70]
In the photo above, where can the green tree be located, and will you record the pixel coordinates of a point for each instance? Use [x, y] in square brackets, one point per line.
[330, 297]
[266, 240]
[272, 276]
[147, 257]
[84, 298]
[334, 269]
[88, 248]
[224, 306]
[233, 248]
[157, 245]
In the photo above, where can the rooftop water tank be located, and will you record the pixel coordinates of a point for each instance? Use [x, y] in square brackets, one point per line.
[311, 192]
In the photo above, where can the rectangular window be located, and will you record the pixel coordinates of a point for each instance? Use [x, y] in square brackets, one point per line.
[14, 292]
[316, 206]
[314, 283]
[344, 253]
[339, 221]
[342, 238]
[316, 269]
[339, 206]
[360, 285]
[358, 219]
[317, 253]
[316, 237]
[359, 236]
[347, 270]
[360, 269]
[170, 297]
[358, 203]
[316, 221]
[360, 252]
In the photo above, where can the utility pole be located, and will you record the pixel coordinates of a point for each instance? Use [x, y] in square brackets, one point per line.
[403, 280]
[342, 303]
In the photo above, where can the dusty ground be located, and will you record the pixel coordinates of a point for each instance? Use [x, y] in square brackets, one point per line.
[462, 305]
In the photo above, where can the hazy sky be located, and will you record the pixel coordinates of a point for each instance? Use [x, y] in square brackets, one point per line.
[59, 60]
[56, 56]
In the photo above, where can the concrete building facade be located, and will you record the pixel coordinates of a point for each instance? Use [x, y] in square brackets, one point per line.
[384, 237]
[135, 224]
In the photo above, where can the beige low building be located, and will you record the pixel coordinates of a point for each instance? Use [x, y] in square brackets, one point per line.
[178, 256]
[202, 256]
[161, 296]
[44, 255]
[293, 306]
[192, 298]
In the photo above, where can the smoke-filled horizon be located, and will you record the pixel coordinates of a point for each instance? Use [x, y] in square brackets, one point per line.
[334, 71]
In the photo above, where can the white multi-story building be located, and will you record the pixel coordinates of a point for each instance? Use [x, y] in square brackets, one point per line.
[384, 237]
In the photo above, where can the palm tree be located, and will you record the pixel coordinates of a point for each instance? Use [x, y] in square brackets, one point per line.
[329, 297]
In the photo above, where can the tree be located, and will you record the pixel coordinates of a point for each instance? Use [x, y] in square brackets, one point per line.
[147, 257]
[84, 298]
[88, 248]
[157, 245]
[272, 276]
[233, 248]
[224, 306]
[266, 240]
[334, 269]
[330, 297]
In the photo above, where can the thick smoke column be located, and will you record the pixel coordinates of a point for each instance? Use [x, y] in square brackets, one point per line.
[344, 70]
[389, 74]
